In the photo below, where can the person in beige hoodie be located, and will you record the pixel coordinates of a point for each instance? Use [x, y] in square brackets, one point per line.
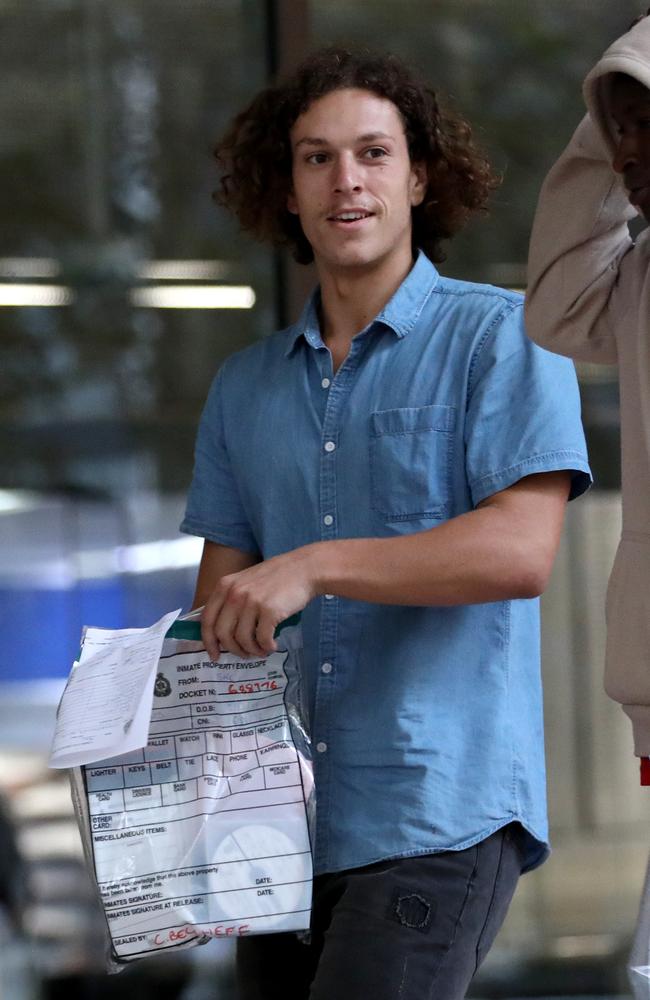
[589, 298]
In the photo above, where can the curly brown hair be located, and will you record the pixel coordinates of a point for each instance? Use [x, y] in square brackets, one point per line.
[255, 153]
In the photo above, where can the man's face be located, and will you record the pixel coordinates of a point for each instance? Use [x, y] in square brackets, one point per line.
[630, 108]
[353, 181]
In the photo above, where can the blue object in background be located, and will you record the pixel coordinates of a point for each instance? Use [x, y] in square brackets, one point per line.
[41, 628]
[67, 563]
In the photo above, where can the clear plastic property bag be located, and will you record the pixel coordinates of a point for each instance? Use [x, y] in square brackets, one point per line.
[639, 961]
[206, 831]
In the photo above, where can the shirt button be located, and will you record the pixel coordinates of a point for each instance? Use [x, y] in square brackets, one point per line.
[328, 597]
[328, 519]
[329, 446]
[326, 383]
[321, 747]
[326, 668]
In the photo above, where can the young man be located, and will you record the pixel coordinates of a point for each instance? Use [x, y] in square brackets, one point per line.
[589, 297]
[395, 466]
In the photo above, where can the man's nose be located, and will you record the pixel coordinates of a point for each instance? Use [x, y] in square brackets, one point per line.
[347, 174]
[626, 154]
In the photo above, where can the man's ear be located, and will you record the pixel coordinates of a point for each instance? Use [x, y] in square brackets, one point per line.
[292, 204]
[419, 183]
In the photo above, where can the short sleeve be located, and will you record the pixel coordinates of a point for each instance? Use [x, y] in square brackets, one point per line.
[523, 412]
[214, 509]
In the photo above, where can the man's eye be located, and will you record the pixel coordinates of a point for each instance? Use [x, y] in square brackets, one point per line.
[316, 158]
[374, 153]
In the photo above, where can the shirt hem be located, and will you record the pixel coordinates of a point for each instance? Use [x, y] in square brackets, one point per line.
[534, 858]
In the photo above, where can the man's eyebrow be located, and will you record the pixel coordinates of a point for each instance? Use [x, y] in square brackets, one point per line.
[373, 136]
[309, 140]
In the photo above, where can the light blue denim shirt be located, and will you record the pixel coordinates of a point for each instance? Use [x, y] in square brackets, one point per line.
[426, 721]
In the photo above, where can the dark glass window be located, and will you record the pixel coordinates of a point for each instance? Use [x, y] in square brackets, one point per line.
[109, 113]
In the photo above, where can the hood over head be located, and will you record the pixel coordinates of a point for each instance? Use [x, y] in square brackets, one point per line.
[629, 54]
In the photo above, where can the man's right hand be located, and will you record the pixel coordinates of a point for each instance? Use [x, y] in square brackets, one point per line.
[245, 607]
[217, 562]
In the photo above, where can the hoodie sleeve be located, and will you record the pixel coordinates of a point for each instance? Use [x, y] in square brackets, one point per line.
[580, 247]
[580, 236]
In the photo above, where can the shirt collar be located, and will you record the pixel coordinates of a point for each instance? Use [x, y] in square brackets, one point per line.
[400, 313]
[307, 326]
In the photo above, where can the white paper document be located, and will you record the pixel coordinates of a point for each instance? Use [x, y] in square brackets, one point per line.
[106, 705]
[203, 833]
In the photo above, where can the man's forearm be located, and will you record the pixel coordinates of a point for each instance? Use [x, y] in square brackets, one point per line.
[502, 550]
[471, 559]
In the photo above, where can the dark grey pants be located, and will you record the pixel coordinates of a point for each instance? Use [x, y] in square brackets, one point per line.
[411, 929]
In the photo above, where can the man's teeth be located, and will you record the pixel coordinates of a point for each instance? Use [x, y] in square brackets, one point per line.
[351, 216]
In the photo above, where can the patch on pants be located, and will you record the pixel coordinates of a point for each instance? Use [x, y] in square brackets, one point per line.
[412, 910]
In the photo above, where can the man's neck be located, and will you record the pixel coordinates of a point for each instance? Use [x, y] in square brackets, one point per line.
[351, 298]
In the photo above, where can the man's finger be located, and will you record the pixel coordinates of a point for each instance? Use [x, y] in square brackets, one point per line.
[233, 647]
[210, 641]
[245, 632]
[225, 628]
[265, 632]
[208, 618]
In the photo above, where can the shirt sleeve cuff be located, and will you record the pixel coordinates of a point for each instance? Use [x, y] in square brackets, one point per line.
[221, 535]
[569, 461]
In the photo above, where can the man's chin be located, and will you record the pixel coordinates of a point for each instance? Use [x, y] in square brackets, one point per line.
[350, 257]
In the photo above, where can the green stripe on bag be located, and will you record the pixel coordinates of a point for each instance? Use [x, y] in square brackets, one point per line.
[192, 629]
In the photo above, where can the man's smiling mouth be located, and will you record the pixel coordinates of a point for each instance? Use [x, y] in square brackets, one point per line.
[351, 216]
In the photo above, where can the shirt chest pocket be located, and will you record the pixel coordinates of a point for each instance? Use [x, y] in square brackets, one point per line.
[411, 451]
